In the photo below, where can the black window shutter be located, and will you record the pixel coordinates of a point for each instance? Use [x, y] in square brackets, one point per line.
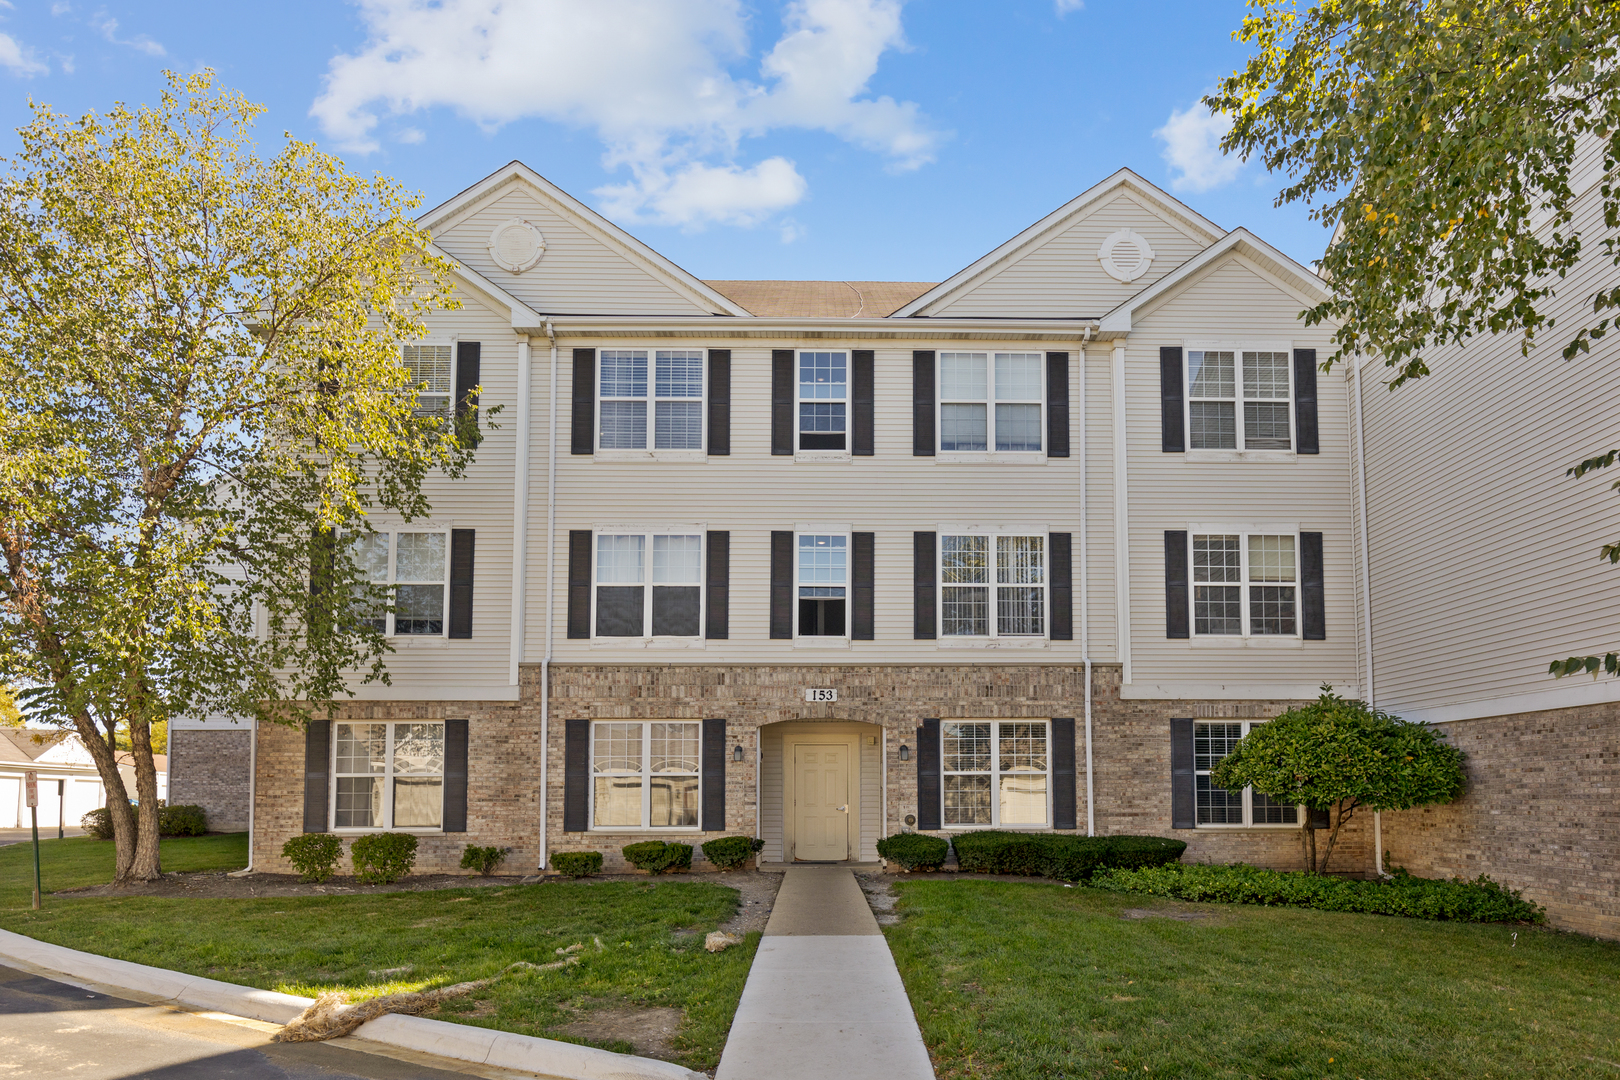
[1320, 819]
[862, 580]
[579, 583]
[322, 550]
[1313, 602]
[576, 775]
[719, 402]
[1170, 412]
[461, 582]
[468, 354]
[782, 402]
[1061, 624]
[781, 585]
[583, 433]
[923, 621]
[714, 776]
[317, 762]
[922, 403]
[928, 775]
[1176, 622]
[863, 402]
[1305, 401]
[1183, 798]
[1064, 807]
[455, 776]
[717, 613]
[1057, 404]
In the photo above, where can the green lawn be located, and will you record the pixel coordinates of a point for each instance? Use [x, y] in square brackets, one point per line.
[309, 944]
[1038, 980]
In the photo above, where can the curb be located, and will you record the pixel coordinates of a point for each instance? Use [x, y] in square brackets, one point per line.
[482, 1046]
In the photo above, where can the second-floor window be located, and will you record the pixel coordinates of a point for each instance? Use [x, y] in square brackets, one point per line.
[1221, 380]
[431, 368]
[990, 401]
[648, 585]
[414, 566]
[823, 581]
[992, 585]
[1244, 584]
[823, 401]
[651, 399]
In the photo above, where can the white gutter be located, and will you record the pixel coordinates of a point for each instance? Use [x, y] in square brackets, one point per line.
[1122, 520]
[520, 511]
[551, 582]
[726, 326]
[253, 779]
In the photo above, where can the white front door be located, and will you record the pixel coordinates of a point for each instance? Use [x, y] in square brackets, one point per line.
[820, 803]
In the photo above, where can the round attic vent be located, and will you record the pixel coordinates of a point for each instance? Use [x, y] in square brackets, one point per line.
[516, 245]
[1125, 255]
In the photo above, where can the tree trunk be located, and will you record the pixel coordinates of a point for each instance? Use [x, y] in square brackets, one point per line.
[1310, 843]
[1347, 809]
[146, 866]
[118, 811]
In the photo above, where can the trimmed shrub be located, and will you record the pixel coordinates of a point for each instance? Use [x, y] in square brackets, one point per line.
[914, 851]
[1059, 855]
[577, 864]
[730, 852]
[185, 820]
[1480, 900]
[314, 855]
[658, 857]
[383, 858]
[485, 860]
[1134, 852]
[98, 823]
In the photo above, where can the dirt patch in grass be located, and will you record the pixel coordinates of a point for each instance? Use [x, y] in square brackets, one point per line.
[647, 1030]
[1180, 914]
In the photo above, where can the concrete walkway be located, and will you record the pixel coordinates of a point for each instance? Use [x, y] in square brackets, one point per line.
[823, 999]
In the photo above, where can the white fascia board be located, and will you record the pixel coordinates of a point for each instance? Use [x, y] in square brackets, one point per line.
[1171, 690]
[831, 329]
[521, 314]
[447, 212]
[442, 692]
[1124, 178]
[1573, 694]
[1239, 241]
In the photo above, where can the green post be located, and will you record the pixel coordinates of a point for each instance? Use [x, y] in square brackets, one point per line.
[33, 813]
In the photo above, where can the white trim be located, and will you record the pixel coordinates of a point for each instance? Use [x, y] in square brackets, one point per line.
[1582, 691]
[1236, 690]
[989, 400]
[801, 453]
[1363, 564]
[993, 637]
[1244, 584]
[1122, 520]
[648, 638]
[650, 451]
[824, 641]
[1240, 451]
[408, 689]
[1105, 255]
[520, 512]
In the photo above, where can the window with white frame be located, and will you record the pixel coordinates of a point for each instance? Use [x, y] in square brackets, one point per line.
[823, 577]
[1245, 584]
[823, 400]
[388, 776]
[415, 567]
[1218, 379]
[648, 585]
[645, 774]
[663, 412]
[990, 401]
[995, 772]
[1216, 806]
[431, 368]
[992, 585]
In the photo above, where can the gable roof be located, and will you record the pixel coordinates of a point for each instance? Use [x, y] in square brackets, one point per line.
[1123, 180]
[18, 745]
[1239, 241]
[821, 299]
[587, 220]
[522, 314]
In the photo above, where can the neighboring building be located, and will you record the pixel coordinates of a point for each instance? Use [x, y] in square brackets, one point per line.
[69, 785]
[819, 561]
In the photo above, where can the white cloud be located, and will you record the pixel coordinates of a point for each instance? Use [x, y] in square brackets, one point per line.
[410, 136]
[791, 230]
[19, 59]
[652, 78]
[107, 27]
[61, 7]
[1065, 6]
[1192, 147]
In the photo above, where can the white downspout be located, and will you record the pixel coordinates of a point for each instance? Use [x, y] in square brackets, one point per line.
[253, 778]
[1366, 586]
[551, 581]
[1122, 520]
[1085, 591]
[520, 511]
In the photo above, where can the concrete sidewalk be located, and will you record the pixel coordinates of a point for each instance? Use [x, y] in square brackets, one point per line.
[823, 998]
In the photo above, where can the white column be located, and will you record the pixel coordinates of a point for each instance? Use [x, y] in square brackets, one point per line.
[1122, 518]
[520, 510]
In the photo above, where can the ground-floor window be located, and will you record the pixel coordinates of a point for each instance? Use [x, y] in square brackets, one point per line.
[389, 776]
[1217, 806]
[995, 772]
[645, 774]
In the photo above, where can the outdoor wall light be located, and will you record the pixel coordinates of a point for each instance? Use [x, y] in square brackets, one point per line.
[737, 752]
[905, 752]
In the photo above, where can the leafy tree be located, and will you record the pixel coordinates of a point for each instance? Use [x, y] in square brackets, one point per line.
[10, 714]
[200, 386]
[1437, 138]
[1340, 755]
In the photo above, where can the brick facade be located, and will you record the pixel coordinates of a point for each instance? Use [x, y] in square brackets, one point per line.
[210, 769]
[1540, 814]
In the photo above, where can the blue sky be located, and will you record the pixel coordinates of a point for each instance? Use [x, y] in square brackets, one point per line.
[858, 139]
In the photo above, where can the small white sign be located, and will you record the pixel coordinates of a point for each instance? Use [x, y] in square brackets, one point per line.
[31, 778]
[821, 694]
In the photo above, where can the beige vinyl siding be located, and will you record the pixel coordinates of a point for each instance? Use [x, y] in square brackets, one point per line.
[771, 783]
[580, 273]
[1099, 444]
[1484, 564]
[1167, 491]
[750, 493]
[872, 809]
[1061, 275]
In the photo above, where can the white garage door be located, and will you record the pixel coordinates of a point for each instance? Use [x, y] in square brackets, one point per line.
[10, 800]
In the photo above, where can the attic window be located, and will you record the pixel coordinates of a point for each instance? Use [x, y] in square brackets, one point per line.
[1125, 255]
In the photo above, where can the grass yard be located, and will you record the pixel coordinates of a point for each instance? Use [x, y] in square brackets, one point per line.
[306, 945]
[1037, 980]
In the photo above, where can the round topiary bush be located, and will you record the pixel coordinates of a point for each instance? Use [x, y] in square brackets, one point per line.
[914, 851]
[485, 860]
[577, 864]
[185, 820]
[731, 852]
[658, 857]
[314, 855]
[383, 858]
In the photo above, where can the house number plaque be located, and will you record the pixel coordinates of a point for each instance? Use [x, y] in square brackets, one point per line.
[820, 694]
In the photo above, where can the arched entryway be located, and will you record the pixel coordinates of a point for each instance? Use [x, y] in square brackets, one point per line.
[821, 791]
